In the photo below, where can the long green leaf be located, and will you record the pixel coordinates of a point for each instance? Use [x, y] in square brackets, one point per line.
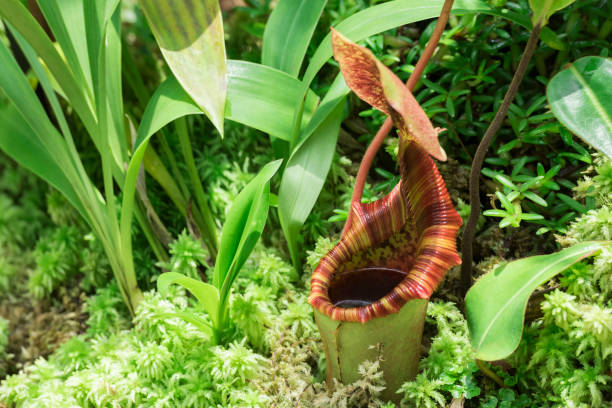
[386, 16]
[243, 226]
[18, 90]
[205, 293]
[309, 164]
[288, 33]
[274, 91]
[265, 98]
[18, 140]
[66, 18]
[19, 17]
[581, 98]
[495, 305]
[190, 36]
[168, 103]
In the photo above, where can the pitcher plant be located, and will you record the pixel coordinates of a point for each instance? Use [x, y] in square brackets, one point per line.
[370, 291]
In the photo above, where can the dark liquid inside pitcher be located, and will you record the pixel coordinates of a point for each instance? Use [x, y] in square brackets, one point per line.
[362, 287]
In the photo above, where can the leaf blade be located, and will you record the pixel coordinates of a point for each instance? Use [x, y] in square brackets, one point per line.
[190, 36]
[581, 99]
[495, 314]
[243, 223]
[288, 33]
[309, 164]
[206, 294]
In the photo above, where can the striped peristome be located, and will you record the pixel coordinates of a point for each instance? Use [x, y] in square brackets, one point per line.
[412, 229]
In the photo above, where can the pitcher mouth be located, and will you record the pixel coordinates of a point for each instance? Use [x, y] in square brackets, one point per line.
[413, 229]
[362, 287]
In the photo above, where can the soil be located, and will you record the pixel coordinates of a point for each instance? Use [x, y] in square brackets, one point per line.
[38, 328]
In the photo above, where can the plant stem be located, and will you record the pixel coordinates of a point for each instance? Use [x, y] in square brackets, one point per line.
[384, 130]
[470, 227]
[490, 373]
[210, 229]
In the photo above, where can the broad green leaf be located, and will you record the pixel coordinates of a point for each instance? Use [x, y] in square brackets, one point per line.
[309, 164]
[387, 16]
[190, 36]
[243, 226]
[495, 305]
[274, 91]
[288, 33]
[581, 98]
[543, 9]
[206, 294]
[265, 98]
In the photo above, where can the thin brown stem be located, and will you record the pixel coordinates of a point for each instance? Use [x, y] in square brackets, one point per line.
[384, 130]
[470, 227]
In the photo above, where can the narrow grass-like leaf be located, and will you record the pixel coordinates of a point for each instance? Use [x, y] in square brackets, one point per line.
[20, 18]
[307, 168]
[205, 293]
[581, 98]
[495, 305]
[66, 19]
[288, 33]
[190, 36]
[18, 140]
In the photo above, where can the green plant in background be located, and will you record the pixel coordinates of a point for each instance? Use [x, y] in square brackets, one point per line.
[588, 103]
[301, 132]
[4, 339]
[243, 227]
[89, 80]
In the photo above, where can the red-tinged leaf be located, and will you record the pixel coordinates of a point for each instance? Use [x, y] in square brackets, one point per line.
[373, 82]
[413, 229]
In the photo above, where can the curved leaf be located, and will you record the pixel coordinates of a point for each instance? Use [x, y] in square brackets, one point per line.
[190, 36]
[581, 98]
[18, 140]
[543, 9]
[265, 98]
[495, 305]
[206, 294]
[288, 33]
[243, 226]
[307, 168]
[18, 16]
